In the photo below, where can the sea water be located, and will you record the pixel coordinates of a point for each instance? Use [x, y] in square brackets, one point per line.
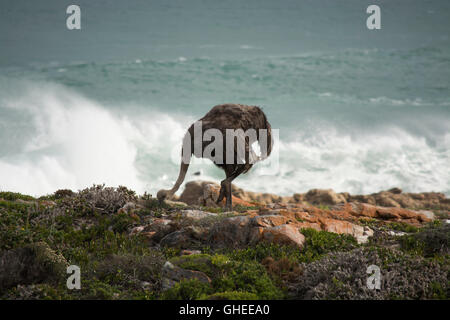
[357, 110]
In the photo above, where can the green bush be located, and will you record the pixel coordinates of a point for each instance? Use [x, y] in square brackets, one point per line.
[121, 221]
[232, 295]
[13, 196]
[262, 250]
[187, 290]
[319, 243]
[403, 227]
[430, 241]
[131, 270]
[386, 226]
[197, 262]
[232, 275]
[247, 276]
[33, 263]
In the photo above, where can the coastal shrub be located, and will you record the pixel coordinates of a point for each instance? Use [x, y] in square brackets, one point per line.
[128, 270]
[170, 252]
[86, 229]
[231, 275]
[121, 221]
[319, 243]
[33, 263]
[15, 206]
[59, 194]
[247, 276]
[430, 241]
[232, 295]
[153, 207]
[40, 291]
[187, 290]
[342, 275]
[262, 250]
[107, 199]
[378, 225]
[283, 270]
[197, 262]
[13, 196]
[95, 289]
[63, 193]
[403, 227]
[15, 220]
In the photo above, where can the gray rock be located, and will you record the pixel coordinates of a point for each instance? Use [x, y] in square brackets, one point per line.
[196, 214]
[173, 274]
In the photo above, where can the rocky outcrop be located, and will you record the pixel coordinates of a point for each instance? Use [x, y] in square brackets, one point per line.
[204, 193]
[187, 237]
[279, 222]
[244, 230]
[282, 219]
[392, 214]
[284, 234]
[326, 197]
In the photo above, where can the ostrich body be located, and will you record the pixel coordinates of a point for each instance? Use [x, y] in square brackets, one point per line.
[221, 118]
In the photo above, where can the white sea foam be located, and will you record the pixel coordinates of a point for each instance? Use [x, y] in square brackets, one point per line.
[77, 142]
[359, 165]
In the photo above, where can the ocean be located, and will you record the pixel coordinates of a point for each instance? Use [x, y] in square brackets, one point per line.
[357, 110]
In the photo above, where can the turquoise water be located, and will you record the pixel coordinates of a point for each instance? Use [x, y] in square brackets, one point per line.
[357, 110]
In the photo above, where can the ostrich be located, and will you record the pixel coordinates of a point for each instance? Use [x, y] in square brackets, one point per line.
[221, 118]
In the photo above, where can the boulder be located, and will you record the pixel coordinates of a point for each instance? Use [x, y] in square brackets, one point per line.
[266, 221]
[173, 274]
[284, 234]
[158, 229]
[176, 239]
[231, 232]
[211, 194]
[186, 237]
[193, 190]
[326, 197]
[243, 230]
[205, 193]
[255, 197]
[393, 214]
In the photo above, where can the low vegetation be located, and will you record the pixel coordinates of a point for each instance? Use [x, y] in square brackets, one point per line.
[39, 238]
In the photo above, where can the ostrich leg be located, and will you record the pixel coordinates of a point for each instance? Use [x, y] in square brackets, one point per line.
[232, 172]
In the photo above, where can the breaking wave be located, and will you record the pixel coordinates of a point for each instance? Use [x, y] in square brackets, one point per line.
[54, 137]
